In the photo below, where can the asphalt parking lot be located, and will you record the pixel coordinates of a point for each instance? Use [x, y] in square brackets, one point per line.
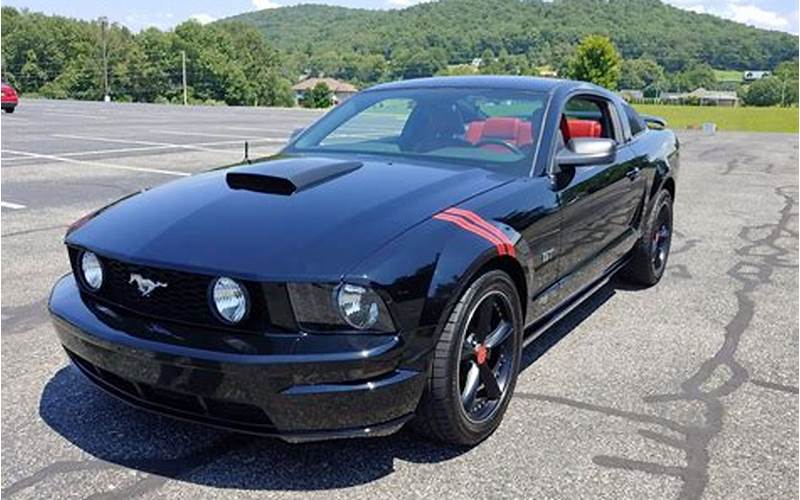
[686, 390]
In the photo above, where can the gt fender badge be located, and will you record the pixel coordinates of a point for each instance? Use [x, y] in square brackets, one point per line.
[145, 285]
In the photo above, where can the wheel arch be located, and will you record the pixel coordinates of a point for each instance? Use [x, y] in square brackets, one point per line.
[442, 297]
[515, 271]
[669, 185]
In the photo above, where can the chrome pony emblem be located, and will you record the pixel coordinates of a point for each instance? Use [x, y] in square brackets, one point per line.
[145, 285]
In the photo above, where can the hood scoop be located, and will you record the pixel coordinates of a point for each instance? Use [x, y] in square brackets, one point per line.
[288, 176]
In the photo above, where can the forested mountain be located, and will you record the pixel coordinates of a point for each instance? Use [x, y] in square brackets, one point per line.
[456, 31]
[253, 58]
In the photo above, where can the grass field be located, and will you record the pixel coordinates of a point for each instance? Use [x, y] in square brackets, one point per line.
[743, 119]
[724, 75]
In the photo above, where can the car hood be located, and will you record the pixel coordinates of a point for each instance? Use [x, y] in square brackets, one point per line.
[289, 218]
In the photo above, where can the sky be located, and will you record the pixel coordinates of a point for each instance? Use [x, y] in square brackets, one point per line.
[770, 14]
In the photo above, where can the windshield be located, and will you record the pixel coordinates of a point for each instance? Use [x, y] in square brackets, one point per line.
[497, 129]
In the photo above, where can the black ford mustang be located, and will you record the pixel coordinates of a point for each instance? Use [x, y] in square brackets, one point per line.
[388, 265]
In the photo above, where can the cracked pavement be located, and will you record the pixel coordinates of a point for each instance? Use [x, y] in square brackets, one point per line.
[685, 390]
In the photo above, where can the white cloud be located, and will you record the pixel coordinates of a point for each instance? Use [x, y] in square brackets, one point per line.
[142, 20]
[403, 3]
[741, 11]
[696, 8]
[265, 4]
[750, 14]
[203, 18]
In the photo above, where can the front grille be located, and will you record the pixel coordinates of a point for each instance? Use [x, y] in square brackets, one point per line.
[184, 299]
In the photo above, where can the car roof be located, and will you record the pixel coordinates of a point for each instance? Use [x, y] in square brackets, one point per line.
[485, 81]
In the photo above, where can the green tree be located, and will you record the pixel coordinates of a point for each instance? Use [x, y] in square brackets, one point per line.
[507, 64]
[787, 70]
[595, 60]
[31, 76]
[417, 63]
[787, 73]
[764, 92]
[642, 74]
[695, 76]
[457, 70]
[320, 96]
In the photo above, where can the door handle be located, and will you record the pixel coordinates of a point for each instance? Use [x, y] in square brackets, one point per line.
[633, 173]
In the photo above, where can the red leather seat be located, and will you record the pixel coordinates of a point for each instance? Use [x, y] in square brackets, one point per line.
[583, 128]
[508, 129]
[474, 130]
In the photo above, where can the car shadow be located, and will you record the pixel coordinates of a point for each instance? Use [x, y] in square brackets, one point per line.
[120, 435]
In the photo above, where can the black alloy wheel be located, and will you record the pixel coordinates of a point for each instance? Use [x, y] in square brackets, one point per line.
[662, 237]
[648, 259]
[475, 363]
[486, 356]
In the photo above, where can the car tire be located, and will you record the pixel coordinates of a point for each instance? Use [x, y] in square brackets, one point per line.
[450, 413]
[649, 256]
[9, 110]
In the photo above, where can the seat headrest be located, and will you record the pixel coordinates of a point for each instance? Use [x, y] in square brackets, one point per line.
[584, 128]
[501, 128]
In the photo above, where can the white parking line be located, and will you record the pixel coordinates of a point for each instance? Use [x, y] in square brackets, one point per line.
[256, 129]
[96, 163]
[72, 114]
[144, 143]
[204, 134]
[12, 206]
[133, 150]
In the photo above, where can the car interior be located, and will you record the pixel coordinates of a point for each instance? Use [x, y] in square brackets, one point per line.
[466, 125]
[498, 130]
[585, 117]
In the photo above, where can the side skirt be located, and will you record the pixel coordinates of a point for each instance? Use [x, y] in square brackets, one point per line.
[535, 329]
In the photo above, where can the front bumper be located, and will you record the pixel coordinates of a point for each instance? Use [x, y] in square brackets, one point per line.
[296, 387]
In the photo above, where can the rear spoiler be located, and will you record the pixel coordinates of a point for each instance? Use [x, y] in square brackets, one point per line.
[655, 122]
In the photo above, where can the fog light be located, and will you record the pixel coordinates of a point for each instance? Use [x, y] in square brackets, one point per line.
[92, 270]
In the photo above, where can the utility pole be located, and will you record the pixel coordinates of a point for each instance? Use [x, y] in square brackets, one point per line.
[104, 44]
[183, 63]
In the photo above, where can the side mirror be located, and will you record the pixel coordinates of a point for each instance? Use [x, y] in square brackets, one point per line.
[295, 133]
[586, 151]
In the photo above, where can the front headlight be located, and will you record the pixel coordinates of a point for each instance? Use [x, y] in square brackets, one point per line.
[360, 307]
[92, 270]
[326, 307]
[229, 299]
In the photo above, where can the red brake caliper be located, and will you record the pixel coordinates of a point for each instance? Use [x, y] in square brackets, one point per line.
[481, 353]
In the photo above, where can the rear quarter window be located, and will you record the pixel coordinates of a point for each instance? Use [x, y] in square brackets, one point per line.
[636, 123]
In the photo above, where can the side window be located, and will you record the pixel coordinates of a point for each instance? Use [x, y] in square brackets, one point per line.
[635, 121]
[588, 117]
[384, 119]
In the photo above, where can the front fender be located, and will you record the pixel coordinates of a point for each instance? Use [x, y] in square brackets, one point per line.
[425, 271]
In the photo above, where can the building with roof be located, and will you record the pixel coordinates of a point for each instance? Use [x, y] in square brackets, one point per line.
[751, 75]
[341, 90]
[702, 97]
[631, 94]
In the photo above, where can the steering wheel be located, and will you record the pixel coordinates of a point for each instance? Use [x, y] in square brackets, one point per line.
[499, 142]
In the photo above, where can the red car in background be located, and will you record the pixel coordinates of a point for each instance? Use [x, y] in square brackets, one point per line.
[9, 98]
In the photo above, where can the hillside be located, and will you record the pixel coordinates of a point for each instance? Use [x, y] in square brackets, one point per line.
[459, 30]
